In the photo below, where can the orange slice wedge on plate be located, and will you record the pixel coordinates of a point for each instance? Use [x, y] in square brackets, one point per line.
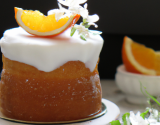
[34, 22]
[139, 59]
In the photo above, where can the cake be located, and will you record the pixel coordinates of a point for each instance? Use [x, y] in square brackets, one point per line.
[49, 76]
[49, 79]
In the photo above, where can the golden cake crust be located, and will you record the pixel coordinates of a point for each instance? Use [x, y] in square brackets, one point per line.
[68, 93]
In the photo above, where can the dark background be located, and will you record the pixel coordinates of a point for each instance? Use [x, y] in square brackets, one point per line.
[138, 19]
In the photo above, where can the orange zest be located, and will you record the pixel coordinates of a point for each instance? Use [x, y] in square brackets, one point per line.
[34, 22]
[139, 59]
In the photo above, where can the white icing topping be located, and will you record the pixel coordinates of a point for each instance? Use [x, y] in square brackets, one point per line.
[48, 54]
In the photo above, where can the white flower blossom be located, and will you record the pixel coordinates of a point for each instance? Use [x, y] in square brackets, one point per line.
[92, 19]
[71, 3]
[84, 12]
[58, 13]
[154, 113]
[153, 116]
[74, 7]
[82, 30]
[137, 119]
[63, 9]
[76, 10]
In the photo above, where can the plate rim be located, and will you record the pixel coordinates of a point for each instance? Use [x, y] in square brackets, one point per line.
[104, 111]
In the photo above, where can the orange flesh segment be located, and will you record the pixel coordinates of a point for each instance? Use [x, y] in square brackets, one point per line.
[144, 56]
[139, 59]
[35, 23]
[35, 20]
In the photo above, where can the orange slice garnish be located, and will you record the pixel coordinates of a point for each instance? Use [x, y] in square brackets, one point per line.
[139, 59]
[34, 22]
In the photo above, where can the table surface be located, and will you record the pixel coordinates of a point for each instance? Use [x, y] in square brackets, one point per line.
[111, 92]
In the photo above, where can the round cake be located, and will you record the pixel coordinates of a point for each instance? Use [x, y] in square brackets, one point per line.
[50, 79]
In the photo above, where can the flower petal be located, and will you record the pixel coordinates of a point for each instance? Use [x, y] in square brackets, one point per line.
[95, 25]
[75, 9]
[77, 2]
[71, 2]
[85, 5]
[93, 18]
[81, 1]
[58, 13]
[64, 2]
[95, 32]
[82, 30]
[62, 8]
[137, 119]
[84, 12]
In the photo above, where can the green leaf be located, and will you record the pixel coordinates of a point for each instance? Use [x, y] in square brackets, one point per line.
[85, 23]
[149, 102]
[73, 31]
[141, 87]
[116, 122]
[83, 37]
[84, 20]
[87, 26]
[144, 114]
[154, 99]
[150, 96]
[125, 118]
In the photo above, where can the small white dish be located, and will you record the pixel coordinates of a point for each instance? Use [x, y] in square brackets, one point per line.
[113, 113]
[129, 83]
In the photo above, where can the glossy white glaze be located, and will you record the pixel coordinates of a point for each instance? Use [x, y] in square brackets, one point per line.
[47, 54]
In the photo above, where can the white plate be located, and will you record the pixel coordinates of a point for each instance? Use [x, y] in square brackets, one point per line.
[112, 114]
